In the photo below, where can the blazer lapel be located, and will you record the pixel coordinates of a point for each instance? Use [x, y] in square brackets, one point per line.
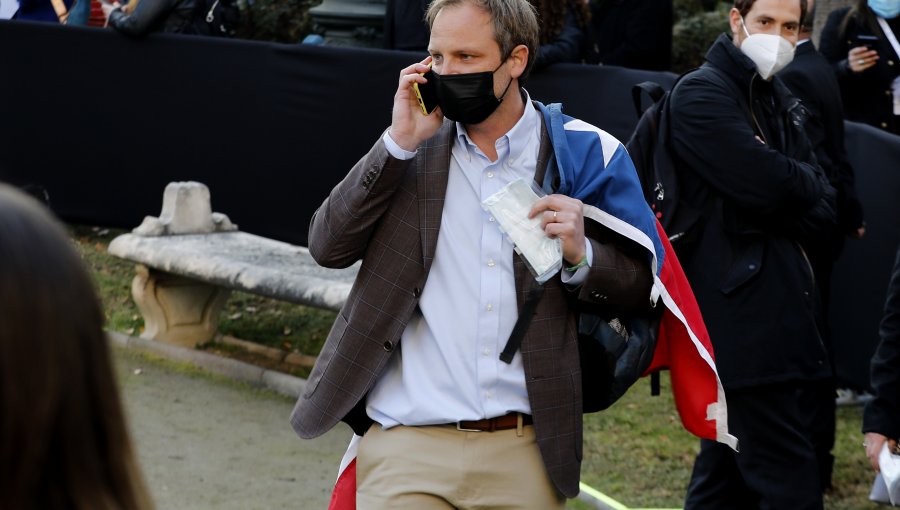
[432, 171]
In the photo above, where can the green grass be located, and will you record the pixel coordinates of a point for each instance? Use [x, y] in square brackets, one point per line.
[636, 452]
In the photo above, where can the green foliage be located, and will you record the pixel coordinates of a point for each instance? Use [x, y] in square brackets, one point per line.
[276, 324]
[686, 8]
[693, 35]
[285, 21]
[112, 278]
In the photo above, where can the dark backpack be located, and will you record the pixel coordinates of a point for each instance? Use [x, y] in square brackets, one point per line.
[657, 169]
[219, 18]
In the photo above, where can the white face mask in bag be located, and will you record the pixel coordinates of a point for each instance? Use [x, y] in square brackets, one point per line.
[510, 207]
[770, 53]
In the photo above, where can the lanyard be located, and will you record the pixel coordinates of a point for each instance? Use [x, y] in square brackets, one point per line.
[889, 34]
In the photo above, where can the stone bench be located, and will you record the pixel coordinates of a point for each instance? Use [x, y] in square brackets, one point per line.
[190, 259]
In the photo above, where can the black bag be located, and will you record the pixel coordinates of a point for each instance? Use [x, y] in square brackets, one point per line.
[656, 169]
[219, 18]
[614, 354]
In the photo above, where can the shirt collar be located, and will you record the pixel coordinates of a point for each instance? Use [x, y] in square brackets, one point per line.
[518, 137]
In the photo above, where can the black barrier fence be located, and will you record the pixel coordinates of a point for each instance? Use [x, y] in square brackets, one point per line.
[103, 122]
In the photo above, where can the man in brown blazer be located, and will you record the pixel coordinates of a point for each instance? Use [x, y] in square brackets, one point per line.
[412, 360]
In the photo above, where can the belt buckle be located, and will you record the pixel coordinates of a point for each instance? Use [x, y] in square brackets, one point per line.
[460, 428]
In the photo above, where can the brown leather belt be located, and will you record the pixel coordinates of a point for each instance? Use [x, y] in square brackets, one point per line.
[505, 422]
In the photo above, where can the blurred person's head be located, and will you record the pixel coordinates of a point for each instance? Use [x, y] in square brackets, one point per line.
[887, 9]
[63, 438]
[806, 26]
[552, 16]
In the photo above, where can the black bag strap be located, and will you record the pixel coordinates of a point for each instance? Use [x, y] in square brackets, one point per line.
[522, 323]
[652, 89]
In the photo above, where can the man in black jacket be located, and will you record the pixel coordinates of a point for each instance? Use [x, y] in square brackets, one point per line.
[810, 77]
[881, 421]
[737, 136]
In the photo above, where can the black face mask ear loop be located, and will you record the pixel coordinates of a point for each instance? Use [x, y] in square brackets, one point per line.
[500, 99]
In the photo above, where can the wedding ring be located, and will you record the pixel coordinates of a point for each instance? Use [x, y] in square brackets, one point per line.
[861, 61]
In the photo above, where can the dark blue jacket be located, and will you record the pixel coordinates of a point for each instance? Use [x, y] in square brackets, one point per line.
[40, 10]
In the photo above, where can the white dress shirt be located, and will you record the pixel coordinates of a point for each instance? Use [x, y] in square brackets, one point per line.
[448, 367]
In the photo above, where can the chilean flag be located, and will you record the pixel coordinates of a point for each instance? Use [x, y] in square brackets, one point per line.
[594, 167]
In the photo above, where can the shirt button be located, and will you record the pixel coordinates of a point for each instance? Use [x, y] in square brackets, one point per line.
[488, 394]
[491, 263]
[486, 352]
[490, 307]
[491, 219]
[490, 175]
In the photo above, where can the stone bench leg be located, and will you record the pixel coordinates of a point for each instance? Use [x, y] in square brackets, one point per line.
[177, 310]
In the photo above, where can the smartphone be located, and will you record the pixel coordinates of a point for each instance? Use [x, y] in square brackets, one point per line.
[869, 41]
[425, 93]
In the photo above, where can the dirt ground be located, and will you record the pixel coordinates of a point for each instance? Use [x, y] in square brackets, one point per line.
[206, 442]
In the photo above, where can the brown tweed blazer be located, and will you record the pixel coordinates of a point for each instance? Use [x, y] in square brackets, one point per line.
[388, 213]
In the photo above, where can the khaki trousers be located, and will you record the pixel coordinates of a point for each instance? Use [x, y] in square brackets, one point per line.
[439, 467]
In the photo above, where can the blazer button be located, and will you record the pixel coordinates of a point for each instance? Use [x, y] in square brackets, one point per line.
[890, 62]
[388, 345]
[416, 292]
[884, 125]
[597, 296]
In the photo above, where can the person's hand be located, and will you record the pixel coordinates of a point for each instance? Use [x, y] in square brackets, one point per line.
[873, 444]
[108, 8]
[409, 125]
[861, 58]
[562, 217]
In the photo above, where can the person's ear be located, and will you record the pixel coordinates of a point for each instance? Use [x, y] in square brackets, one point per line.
[734, 20]
[519, 60]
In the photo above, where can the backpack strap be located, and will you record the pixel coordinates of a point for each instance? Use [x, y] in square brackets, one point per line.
[652, 89]
[522, 323]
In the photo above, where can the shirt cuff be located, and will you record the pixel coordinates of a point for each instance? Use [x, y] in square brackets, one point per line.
[574, 280]
[395, 150]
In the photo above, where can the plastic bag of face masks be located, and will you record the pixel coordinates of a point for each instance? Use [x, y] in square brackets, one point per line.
[510, 207]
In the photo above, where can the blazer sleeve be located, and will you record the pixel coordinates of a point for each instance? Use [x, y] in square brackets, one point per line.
[340, 228]
[619, 280]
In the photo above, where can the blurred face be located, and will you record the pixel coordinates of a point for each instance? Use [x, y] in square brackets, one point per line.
[462, 42]
[774, 17]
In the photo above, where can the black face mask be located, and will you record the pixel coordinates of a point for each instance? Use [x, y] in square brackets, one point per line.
[467, 98]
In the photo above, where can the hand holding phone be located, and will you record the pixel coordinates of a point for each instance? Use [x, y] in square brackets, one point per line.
[410, 126]
[425, 92]
[867, 40]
